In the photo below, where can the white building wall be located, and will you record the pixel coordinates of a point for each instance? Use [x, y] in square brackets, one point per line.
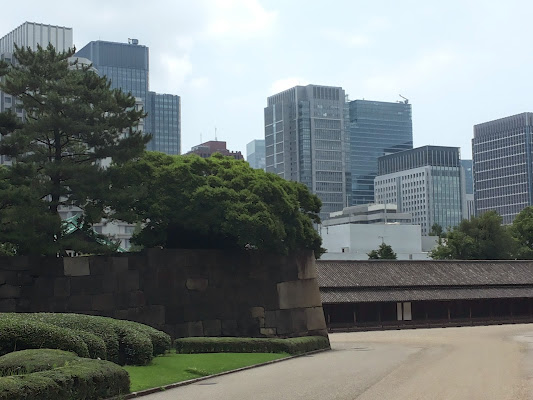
[355, 241]
[31, 34]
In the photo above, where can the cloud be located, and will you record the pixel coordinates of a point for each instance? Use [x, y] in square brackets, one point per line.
[347, 39]
[430, 67]
[286, 83]
[199, 83]
[177, 67]
[239, 19]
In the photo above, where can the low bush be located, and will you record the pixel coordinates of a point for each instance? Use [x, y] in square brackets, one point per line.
[74, 378]
[18, 334]
[122, 342]
[250, 345]
[34, 360]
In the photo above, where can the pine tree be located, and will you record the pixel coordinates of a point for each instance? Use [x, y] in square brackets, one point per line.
[384, 252]
[72, 121]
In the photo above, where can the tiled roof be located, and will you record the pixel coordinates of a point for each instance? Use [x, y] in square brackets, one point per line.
[381, 295]
[379, 281]
[423, 273]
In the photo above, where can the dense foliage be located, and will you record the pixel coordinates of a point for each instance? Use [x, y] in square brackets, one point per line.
[122, 342]
[72, 122]
[46, 374]
[522, 232]
[480, 238]
[251, 345]
[218, 202]
[384, 252]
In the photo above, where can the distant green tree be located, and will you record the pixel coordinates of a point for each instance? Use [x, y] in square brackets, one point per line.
[481, 238]
[384, 252]
[437, 230]
[73, 120]
[522, 231]
[218, 202]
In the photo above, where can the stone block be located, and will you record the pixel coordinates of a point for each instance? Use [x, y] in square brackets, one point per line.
[212, 327]
[103, 302]
[153, 315]
[199, 284]
[128, 281]
[229, 327]
[19, 263]
[284, 322]
[9, 292]
[109, 282]
[257, 312]
[315, 318]
[299, 294]
[86, 284]
[82, 302]
[248, 327]
[299, 321]
[269, 332]
[195, 328]
[270, 318]
[99, 265]
[174, 315]
[76, 266]
[305, 262]
[137, 299]
[62, 287]
[8, 305]
[119, 264]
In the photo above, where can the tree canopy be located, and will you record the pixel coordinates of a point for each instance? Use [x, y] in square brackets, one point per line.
[384, 252]
[481, 238]
[72, 121]
[218, 202]
[522, 231]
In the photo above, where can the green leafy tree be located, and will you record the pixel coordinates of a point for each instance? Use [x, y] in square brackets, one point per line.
[384, 252]
[218, 202]
[437, 230]
[72, 121]
[522, 231]
[481, 238]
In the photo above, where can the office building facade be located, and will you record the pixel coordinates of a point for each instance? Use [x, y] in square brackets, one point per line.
[426, 182]
[207, 149]
[469, 205]
[126, 65]
[502, 155]
[305, 141]
[255, 154]
[376, 129]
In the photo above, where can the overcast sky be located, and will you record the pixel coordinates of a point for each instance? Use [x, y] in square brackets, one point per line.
[459, 62]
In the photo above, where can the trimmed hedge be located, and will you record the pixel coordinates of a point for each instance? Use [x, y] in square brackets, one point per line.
[76, 378]
[250, 345]
[34, 360]
[122, 342]
[17, 334]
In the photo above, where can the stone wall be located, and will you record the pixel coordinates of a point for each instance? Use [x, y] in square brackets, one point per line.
[183, 292]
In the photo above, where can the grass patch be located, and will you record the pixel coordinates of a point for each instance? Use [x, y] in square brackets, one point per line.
[171, 368]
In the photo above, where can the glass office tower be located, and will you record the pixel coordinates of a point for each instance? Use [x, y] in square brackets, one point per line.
[255, 154]
[126, 65]
[305, 141]
[502, 153]
[426, 182]
[375, 129]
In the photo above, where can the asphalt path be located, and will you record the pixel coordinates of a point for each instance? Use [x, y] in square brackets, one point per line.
[485, 363]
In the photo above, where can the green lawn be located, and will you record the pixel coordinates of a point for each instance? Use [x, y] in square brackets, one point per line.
[172, 368]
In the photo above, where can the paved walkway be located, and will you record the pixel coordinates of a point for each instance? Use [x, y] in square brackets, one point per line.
[470, 363]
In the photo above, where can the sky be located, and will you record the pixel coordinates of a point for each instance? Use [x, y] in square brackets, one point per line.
[459, 63]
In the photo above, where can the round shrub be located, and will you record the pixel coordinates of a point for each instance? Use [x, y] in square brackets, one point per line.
[74, 378]
[17, 334]
[161, 341]
[95, 344]
[34, 360]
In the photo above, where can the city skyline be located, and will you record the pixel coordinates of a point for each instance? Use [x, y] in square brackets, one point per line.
[224, 57]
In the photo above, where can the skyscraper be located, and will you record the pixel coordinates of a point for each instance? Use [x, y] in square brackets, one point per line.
[305, 141]
[255, 154]
[376, 129]
[126, 65]
[502, 154]
[426, 182]
[469, 206]
[29, 34]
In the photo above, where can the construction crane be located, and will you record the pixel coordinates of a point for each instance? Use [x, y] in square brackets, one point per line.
[405, 98]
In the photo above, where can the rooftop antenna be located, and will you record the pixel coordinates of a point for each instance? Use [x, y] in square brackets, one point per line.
[200, 137]
[405, 98]
[216, 134]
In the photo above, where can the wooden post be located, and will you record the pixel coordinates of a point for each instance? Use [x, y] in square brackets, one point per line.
[448, 312]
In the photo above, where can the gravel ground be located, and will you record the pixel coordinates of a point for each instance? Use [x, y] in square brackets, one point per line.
[490, 362]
